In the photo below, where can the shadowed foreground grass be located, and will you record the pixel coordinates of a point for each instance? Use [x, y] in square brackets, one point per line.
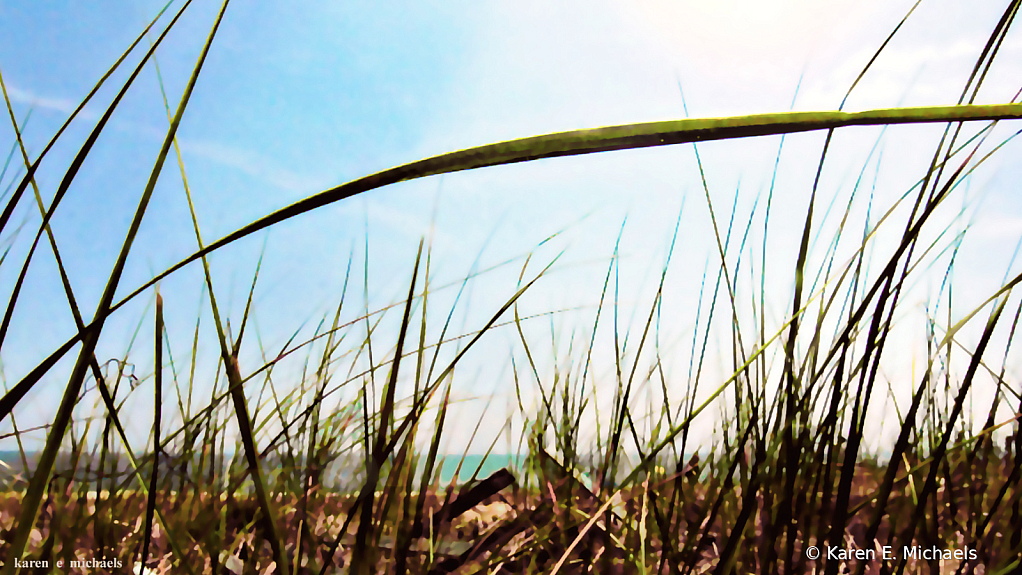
[247, 483]
[675, 521]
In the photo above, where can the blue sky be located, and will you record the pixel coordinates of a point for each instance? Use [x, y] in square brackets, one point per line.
[298, 97]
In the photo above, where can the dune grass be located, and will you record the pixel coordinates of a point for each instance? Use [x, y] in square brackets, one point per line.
[787, 469]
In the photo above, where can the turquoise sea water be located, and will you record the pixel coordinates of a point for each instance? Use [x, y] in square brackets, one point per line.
[478, 464]
[470, 463]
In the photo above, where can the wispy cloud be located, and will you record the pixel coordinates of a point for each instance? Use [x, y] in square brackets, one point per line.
[53, 103]
[256, 165]
[246, 161]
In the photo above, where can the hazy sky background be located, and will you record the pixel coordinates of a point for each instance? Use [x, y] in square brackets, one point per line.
[297, 97]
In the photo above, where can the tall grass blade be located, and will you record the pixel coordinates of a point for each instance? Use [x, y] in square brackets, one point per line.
[13, 202]
[930, 487]
[41, 478]
[380, 450]
[157, 412]
[12, 397]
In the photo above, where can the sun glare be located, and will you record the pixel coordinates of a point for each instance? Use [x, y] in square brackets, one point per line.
[746, 32]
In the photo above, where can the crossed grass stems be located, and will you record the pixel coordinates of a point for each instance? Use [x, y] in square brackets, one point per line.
[786, 472]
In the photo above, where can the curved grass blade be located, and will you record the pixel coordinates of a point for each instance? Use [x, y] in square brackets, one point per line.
[566, 143]
[623, 137]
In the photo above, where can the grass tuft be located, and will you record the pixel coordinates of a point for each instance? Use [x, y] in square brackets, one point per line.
[624, 470]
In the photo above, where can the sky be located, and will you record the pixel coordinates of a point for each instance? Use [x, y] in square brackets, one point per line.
[297, 97]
